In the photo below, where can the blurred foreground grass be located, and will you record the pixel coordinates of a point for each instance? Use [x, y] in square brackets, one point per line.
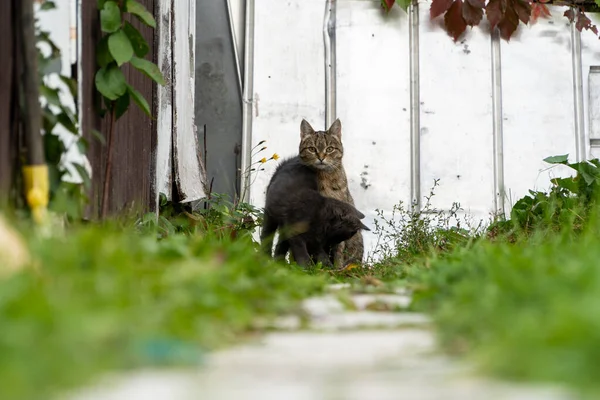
[110, 297]
[528, 310]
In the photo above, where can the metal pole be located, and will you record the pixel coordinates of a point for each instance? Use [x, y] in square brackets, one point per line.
[234, 42]
[330, 62]
[578, 94]
[35, 172]
[415, 108]
[248, 102]
[497, 123]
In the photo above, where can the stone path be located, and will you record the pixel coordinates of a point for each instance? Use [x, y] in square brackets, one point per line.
[344, 355]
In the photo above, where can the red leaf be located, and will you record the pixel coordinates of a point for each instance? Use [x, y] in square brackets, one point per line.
[455, 24]
[539, 10]
[387, 4]
[472, 15]
[582, 21]
[509, 23]
[523, 10]
[570, 14]
[438, 7]
[477, 3]
[495, 11]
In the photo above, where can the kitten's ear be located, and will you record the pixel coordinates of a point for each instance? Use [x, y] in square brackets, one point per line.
[363, 226]
[305, 129]
[336, 129]
[359, 214]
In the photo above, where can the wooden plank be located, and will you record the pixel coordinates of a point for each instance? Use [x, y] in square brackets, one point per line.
[189, 171]
[7, 129]
[133, 171]
[164, 99]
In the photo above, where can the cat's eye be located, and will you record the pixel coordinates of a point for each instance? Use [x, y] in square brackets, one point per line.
[312, 149]
[329, 149]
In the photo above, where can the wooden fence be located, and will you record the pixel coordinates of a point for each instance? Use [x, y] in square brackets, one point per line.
[133, 169]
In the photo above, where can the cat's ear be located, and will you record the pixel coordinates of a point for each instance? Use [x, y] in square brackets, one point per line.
[336, 129]
[359, 214]
[363, 226]
[305, 129]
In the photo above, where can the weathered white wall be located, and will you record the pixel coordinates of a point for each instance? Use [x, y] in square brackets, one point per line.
[538, 105]
[373, 105]
[373, 101]
[288, 79]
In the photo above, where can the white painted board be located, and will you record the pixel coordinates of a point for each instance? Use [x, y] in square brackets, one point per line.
[373, 104]
[537, 94]
[456, 117]
[289, 80]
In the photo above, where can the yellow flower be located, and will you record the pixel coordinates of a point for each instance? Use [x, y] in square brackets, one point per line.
[263, 160]
[275, 157]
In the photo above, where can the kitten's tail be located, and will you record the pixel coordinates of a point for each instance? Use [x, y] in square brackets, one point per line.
[267, 234]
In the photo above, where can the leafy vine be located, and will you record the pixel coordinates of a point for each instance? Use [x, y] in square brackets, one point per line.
[121, 44]
[504, 14]
[65, 197]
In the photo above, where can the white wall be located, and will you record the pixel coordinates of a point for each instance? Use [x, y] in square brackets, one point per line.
[373, 101]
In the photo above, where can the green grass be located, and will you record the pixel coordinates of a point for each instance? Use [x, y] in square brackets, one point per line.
[112, 298]
[523, 311]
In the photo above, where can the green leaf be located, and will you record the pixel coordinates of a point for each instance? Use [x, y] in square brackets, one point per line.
[49, 120]
[110, 82]
[598, 3]
[404, 4]
[82, 145]
[557, 159]
[139, 100]
[54, 148]
[85, 177]
[71, 84]
[121, 105]
[99, 137]
[48, 5]
[149, 69]
[137, 9]
[566, 183]
[50, 94]
[65, 121]
[120, 47]
[103, 56]
[589, 179]
[54, 177]
[110, 17]
[140, 46]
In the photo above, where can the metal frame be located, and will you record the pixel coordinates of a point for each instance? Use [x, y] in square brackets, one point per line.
[329, 23]
[234, 43]
[248, 102]
[498, 134]
[415, 108]
[579, 116]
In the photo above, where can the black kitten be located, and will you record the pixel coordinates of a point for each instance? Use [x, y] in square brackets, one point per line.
[310, 224]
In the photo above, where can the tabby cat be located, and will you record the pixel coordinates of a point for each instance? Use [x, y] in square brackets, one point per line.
[309, 224]
[323, 152]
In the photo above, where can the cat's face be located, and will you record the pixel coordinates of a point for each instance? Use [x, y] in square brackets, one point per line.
[321, 150]
[345, 222]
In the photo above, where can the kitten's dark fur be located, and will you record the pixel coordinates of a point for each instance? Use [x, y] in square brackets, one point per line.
[311, 225]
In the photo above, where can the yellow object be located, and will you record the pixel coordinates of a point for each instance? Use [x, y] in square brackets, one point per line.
[36, 190]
